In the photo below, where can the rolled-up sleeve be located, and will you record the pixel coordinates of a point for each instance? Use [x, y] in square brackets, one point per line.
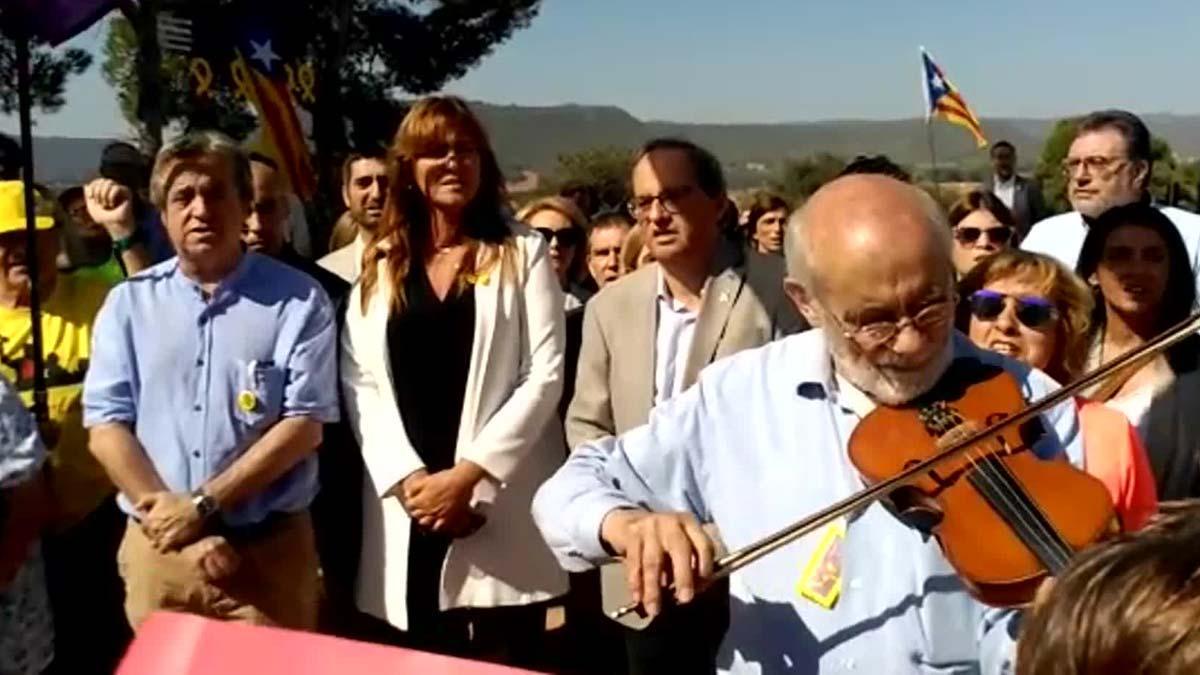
[655, 467]
[21, 449]
[312, 385]
[109, 394]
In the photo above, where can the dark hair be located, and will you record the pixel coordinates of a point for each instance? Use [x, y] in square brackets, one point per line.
[1001, 144]
[609, 219]
[1180, 293]
[977, 200]
[762, 204]
[69, 195]
[705, 166]
[1137, 136]
[259, 158]
[878, 165]
[354, 157]
[1128, 605]
[10, 158]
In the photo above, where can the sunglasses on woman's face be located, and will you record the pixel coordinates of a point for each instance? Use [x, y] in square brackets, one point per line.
[1033, 311]
[995, 235]
[571, 236]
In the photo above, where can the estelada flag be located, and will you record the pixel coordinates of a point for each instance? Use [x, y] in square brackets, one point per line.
[943, 101]
[263, 76]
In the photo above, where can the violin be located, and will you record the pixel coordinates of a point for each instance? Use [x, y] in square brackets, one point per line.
[958, 463]
[1005, 519]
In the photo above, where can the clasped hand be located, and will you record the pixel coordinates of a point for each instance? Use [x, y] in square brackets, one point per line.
[441, 501]
[169, 520]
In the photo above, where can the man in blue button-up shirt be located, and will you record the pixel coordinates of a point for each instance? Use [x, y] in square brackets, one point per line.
[211, 376]
[760, 441]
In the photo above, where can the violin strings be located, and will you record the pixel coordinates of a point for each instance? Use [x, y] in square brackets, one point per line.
[1017, 502]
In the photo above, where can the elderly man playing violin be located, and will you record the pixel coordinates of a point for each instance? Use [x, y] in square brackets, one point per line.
[762, 440]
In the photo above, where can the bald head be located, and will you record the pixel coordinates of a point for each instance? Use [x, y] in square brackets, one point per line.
[869, 262]
[854, 223]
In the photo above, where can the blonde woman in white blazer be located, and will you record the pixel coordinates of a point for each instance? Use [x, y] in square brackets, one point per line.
[451, 370]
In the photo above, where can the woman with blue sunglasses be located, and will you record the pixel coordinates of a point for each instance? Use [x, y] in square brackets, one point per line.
[1031, 308]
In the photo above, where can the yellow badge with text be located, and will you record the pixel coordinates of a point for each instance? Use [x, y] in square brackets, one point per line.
[821, 580]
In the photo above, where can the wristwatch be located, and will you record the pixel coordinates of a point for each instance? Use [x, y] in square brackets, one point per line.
[205, 505]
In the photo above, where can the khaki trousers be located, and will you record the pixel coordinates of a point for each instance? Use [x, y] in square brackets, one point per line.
[277, 583]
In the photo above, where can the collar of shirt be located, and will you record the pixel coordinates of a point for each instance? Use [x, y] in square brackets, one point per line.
[665, 299]
[226, 285]
[1005, 184]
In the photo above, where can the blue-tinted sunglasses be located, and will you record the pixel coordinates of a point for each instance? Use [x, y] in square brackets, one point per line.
[1033, 311]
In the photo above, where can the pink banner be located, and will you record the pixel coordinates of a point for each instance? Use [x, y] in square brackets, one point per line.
[181, 644]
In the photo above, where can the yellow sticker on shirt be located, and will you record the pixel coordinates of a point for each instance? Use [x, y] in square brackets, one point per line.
[821, 580]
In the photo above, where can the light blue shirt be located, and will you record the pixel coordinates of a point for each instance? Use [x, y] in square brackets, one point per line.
[759, 442]
[173, 365]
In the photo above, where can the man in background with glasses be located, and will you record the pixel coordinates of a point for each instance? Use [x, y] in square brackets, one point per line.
[762, 440]
[1109, 164]
[646, 337]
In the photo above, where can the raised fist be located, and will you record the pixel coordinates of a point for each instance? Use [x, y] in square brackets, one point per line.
[110, 204]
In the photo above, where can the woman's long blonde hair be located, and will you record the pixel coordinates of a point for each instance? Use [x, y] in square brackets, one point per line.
[404, 230]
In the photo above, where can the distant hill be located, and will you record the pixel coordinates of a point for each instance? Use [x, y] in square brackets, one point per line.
[532, 138]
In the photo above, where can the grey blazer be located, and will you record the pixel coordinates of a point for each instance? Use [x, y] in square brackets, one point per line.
[744, 306]
[1028, 206]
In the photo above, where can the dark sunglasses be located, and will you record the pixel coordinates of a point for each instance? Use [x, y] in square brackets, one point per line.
[571, 236]
[1033, 311]
[995, 235]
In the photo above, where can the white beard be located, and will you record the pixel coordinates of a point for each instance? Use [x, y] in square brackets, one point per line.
[888, 386]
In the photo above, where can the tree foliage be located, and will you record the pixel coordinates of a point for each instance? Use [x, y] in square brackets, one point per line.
[365, 52]
[49, 72]
[603, 170]
[226, 111]
[799, 179]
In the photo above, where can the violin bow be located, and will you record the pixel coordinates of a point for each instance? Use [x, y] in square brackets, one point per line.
[736, 560]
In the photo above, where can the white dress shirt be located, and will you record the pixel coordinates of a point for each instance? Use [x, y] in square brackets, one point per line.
[346, 262]
[1062, 236]
[1005, 189]
[672, 342]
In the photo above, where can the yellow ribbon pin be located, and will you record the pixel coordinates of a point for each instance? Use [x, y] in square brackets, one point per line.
[247, 401]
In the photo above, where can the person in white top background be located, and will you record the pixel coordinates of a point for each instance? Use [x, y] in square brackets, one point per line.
[364, 191]
[1108, 165]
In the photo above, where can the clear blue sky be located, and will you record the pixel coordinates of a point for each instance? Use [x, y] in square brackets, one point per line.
[791, 60]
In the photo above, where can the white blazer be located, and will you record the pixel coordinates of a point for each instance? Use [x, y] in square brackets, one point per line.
[509, 427]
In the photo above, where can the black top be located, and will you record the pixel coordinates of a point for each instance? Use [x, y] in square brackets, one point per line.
[429, 346]
[335, 287]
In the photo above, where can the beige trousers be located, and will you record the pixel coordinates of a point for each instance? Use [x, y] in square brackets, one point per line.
[277, 583]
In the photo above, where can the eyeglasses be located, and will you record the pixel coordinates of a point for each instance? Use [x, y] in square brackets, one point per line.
[1098, 165]
[995, 235]
[570, 236]
[669, 198]
[876, 334]
[1033, 311]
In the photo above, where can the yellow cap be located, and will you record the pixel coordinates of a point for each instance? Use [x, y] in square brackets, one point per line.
[12, 208]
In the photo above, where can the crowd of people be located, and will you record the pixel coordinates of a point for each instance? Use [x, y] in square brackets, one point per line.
[439, 434]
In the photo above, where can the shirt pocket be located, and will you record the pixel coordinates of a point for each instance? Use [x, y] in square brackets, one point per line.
[259, 397]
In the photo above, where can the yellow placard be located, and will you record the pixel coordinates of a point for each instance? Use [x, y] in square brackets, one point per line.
[821, 580]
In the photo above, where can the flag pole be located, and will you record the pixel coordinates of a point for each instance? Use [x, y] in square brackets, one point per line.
[933, 167]
[25, 103]
[937, 188]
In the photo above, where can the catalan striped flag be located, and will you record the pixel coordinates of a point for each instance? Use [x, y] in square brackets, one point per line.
[943, 101]
[263, 72]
